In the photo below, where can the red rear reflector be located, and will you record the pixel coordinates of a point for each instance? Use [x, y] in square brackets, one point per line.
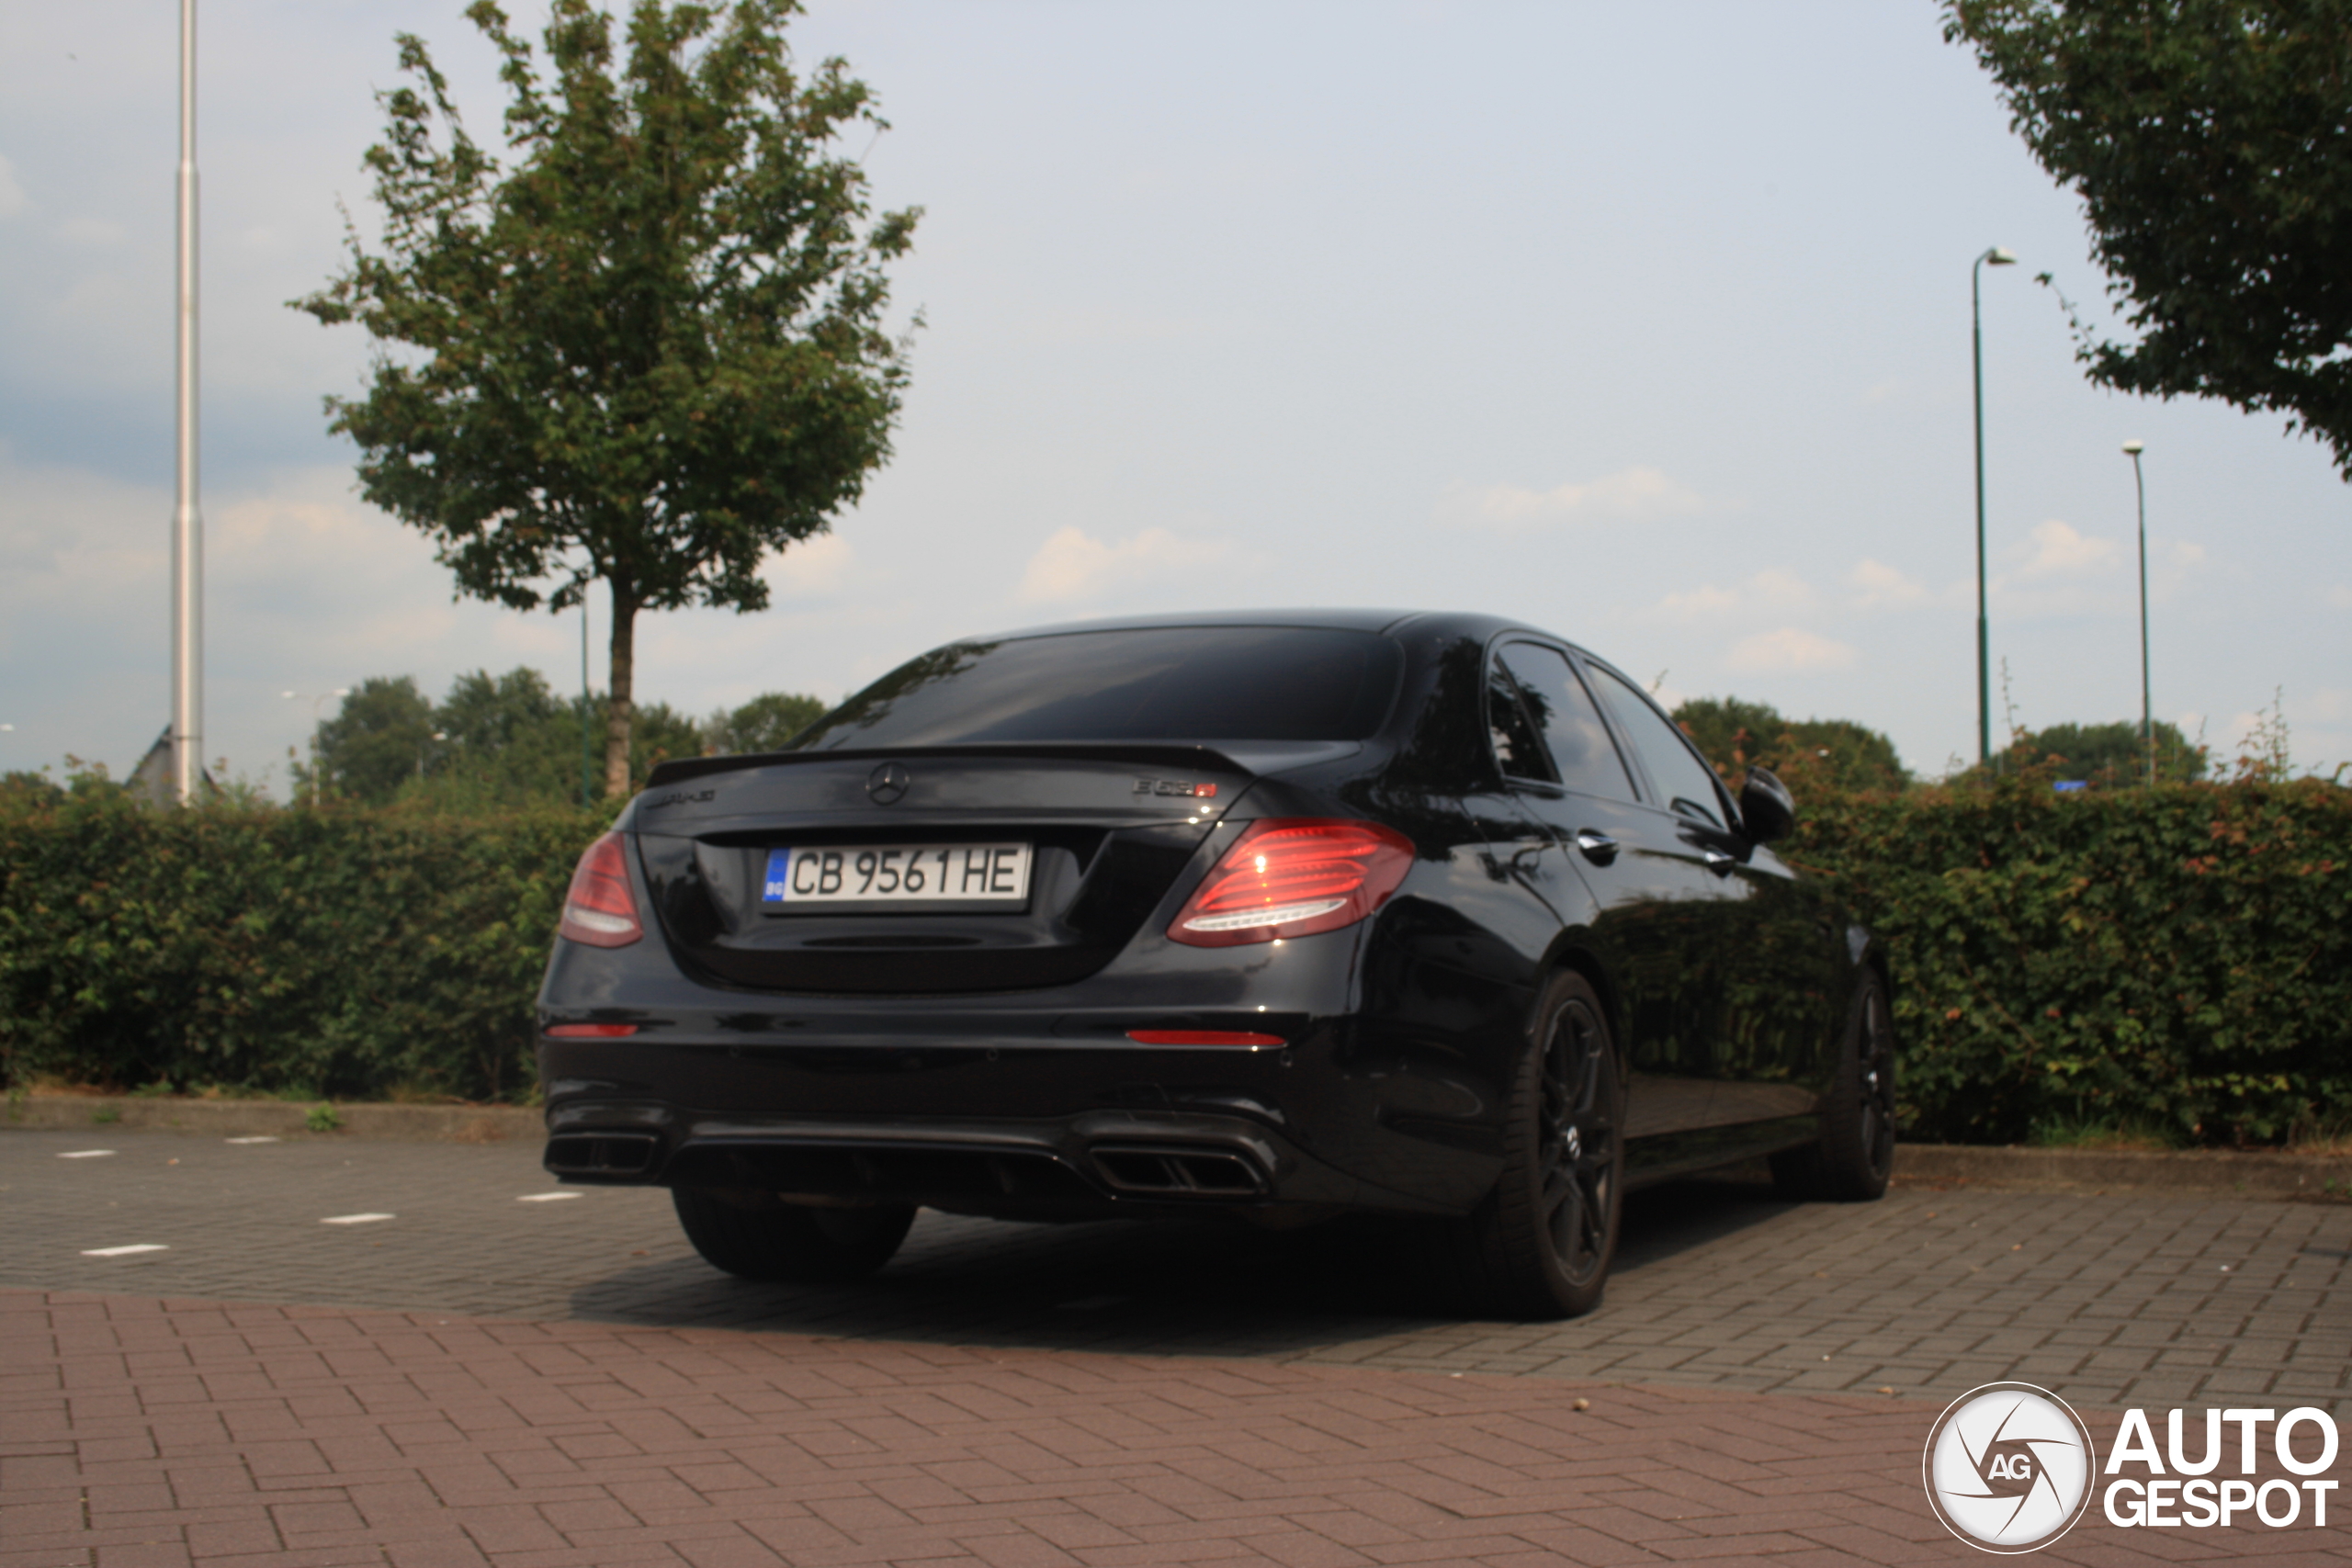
[1291, 877]
[599, 909]
[1201, 1037]
[589, 1030]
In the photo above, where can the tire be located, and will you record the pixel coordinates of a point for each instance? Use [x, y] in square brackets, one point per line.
[1854, 1154]
[1539, 1245]
[767, 1240]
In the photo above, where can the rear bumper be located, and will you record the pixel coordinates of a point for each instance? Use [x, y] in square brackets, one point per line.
[1086, 1166]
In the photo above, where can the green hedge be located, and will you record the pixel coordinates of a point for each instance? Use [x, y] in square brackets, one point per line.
[2180, 957]
[2177, 958]
[349, 952]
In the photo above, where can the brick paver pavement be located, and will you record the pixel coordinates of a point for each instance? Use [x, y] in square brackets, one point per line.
[161, 1434]
[2105, 1300]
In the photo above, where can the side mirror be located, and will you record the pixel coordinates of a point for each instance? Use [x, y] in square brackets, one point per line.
[1765, 806]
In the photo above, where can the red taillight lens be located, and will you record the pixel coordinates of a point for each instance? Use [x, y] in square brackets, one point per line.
[589, 1030]
[1294, 877]
[600, 909]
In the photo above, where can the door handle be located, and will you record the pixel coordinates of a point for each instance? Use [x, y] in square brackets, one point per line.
[1599, 848]
[1718, 861]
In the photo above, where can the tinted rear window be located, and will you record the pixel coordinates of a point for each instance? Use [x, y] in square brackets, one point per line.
[1168, 683]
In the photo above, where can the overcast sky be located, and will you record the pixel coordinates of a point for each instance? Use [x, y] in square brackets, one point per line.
[1648, 324]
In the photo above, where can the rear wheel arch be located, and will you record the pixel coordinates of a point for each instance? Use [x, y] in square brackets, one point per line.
[1571, 955]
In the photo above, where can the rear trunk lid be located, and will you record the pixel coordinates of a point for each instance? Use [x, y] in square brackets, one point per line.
[1107, 830]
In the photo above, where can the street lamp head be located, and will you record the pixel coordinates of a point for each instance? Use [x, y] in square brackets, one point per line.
[284, 694]
[2001, 256]
[2134, 448]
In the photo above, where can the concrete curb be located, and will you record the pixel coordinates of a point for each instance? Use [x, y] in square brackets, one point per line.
[277, 1118]
[2221, 1172]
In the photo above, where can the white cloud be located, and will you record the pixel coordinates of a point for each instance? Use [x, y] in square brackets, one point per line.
[12, 195]
[813, 569]
[1631, 495]
[1700, 603]
[1773, 591]
[1789, 649]
[1073, 565]
[2060, 551]
[1877, 585]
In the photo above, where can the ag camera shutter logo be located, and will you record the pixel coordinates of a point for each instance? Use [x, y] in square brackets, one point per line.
[2009, 1466]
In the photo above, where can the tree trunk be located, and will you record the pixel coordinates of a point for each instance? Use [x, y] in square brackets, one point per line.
[620, 710]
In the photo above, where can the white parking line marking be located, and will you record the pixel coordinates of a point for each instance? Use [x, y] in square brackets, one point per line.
[86, 1153]
[125, 1251]
[354, 1219]
[249, 1140]
[545, 1197]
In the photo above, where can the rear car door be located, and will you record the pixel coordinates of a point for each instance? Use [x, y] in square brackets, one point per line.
[1747, 926]
[1627, 854]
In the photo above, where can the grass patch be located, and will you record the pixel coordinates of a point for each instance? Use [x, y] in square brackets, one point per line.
[2106, 1134]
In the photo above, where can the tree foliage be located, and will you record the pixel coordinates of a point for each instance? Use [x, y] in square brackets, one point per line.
[2111, 755]
[2210, 142]
[377, 740]
[495, 743]
[1834, 753]
[649, 349]
[764, 724]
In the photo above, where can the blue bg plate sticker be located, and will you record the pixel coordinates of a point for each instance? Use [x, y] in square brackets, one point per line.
[897, 874]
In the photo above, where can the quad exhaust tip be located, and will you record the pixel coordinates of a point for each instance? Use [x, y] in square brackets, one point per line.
[601, 1154]
[1158, 1171]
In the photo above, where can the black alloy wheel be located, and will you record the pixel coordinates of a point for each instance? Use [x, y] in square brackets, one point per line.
[1541, 1245]
[754, 1236]
[1854, 1154]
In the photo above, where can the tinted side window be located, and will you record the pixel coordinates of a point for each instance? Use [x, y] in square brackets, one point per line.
[1516, 748]
[1581, 749]
[1688, 782]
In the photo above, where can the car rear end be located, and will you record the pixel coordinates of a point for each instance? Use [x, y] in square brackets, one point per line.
[1044, 927]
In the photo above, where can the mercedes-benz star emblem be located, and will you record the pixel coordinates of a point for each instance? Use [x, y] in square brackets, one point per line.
[888, 783]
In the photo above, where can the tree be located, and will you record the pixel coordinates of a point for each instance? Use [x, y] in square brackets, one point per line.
[1837, 751]
[2210, 142]
[497, 742]
[764, 724]
[2108, 755]
[380, 738]
[650, 351]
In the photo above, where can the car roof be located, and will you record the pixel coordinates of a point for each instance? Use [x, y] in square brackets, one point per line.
[1461, 623]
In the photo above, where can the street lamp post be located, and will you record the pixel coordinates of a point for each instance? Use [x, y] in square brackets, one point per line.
[318, 729]
[1998, 257]
[187, 524]
[2147, 719]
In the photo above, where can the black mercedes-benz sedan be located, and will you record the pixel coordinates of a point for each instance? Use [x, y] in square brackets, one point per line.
[1284, 915]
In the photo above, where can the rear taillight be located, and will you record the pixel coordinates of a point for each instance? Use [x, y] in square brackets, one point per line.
[599, 909]
[1294, 877]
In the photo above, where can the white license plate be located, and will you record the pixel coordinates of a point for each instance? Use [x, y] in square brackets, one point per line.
[897, 874]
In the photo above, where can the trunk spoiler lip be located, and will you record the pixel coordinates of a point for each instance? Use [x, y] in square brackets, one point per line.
[1253, 757]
